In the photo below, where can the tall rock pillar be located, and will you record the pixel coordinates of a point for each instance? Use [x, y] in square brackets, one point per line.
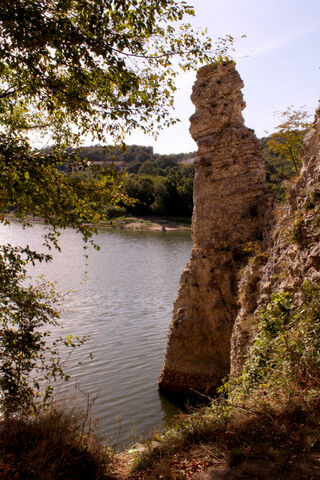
[229, 193]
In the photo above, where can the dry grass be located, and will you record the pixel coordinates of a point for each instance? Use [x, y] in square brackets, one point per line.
[50, 446]
[276, 443]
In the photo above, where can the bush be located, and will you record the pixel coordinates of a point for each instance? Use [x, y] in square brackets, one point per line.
[284, 356]
[50, 446]
[114, 212]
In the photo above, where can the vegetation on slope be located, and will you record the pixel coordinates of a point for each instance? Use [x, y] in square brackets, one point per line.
[54, 445]
[266, 422]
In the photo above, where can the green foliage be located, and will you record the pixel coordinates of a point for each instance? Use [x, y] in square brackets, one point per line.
[282, 150]
[141, 160]
[284, 355]
[278, 169]
[105, 66]
[140, 188]
[123, 156]
[288, 139]
[69, 69]
[159, 184]
[28, 361]
[119, 155]
[31, 183]
[168, 192]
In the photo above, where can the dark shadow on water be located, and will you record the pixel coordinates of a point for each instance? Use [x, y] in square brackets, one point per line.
[169, 408]
[173, 405]
[184, 402]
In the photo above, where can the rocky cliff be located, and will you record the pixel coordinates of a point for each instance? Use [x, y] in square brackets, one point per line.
[229, 206]
[290, 253]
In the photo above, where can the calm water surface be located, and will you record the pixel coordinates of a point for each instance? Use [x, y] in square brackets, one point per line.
[124, 303]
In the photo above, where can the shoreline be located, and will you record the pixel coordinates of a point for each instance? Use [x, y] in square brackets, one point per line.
[147, 223]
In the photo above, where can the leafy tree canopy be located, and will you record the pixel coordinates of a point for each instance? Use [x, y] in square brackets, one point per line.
[70, 68]
[287, 140]
[74, 66]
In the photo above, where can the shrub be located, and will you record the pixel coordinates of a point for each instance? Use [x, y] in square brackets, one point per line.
[50, 446]
[285, 353]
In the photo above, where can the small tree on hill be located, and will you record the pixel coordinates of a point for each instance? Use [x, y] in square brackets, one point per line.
[287, 140]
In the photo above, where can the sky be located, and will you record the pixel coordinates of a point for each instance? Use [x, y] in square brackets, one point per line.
[278, 61]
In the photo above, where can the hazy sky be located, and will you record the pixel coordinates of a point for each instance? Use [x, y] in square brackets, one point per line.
[279, 62]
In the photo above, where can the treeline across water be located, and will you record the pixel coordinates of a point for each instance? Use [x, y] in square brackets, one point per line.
[160, 184]
[163, 184]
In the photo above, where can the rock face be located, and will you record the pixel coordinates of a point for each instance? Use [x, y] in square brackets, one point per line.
[292, 254]
[229, 203]
[310, 172]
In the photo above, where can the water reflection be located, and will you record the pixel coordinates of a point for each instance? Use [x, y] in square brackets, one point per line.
[124, 303]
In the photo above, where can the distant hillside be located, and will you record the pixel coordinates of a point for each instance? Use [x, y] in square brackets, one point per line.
[133, 157]
[163, 184]
[142, 160]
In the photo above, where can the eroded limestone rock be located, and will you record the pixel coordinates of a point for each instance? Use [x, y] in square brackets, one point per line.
[229, 199]
[292, 255]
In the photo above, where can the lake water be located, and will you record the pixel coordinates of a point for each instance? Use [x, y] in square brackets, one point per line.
[121, 297]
